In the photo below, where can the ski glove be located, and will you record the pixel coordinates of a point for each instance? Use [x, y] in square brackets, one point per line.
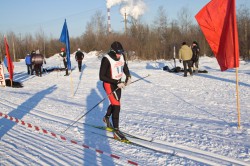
[128, 81]
[121, 85]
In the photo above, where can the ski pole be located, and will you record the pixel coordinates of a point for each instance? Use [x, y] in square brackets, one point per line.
[108, 96]
[99, 103]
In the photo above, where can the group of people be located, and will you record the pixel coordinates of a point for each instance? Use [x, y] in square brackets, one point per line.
[190, 57]
[78, 57]
[34, 62]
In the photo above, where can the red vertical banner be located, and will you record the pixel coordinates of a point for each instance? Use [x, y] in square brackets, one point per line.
[9, 61]
[217, 21]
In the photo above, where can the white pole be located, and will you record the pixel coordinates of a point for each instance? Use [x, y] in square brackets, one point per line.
[237, 97]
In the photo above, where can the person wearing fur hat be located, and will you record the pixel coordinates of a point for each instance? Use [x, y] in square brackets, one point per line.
[113, 66]
[37, 61]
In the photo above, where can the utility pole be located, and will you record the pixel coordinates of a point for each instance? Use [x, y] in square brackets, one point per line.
[125, 21]
[13, 48]
[1, 54]
[246, 42]
[44, 47]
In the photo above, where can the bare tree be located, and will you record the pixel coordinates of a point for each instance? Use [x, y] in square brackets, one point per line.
[185, 20]
[95, 34]
[161, 28]
[244, 31]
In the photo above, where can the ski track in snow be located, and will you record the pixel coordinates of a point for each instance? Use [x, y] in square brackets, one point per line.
[190, 121]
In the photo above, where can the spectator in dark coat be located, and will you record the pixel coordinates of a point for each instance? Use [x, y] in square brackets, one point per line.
[79, 57]
[195, 57]
[38, 60]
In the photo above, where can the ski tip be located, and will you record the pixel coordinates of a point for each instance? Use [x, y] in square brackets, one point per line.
[126, 141]
[123, 141]
[109, 129]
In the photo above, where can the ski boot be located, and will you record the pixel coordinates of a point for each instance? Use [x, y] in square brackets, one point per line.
[107, 122]
[118, 135]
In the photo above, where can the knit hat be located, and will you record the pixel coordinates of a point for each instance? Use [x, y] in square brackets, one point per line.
[195, 42]
[117, 47]
[33, 52]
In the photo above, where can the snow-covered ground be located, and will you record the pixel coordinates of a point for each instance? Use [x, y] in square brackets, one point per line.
[186, 121]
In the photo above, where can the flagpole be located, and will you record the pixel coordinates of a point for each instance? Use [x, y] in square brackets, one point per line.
[237, 96]
[71, 83]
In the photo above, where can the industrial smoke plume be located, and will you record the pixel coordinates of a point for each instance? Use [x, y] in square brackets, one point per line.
[133, 8]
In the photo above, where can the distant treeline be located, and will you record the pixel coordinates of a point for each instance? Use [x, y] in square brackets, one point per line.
[140, 40]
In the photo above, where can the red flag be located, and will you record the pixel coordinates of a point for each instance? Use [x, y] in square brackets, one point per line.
[9, 61]
[217, 21]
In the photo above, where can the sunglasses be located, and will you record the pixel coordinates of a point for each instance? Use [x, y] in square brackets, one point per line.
[119, 51]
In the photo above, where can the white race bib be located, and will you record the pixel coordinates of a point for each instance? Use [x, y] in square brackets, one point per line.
[116, 67]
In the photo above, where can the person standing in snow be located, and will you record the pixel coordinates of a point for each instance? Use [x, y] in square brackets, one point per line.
[5, 62]
[28, 63]
[79, 57]
[38, 60]
[185, 55]
[195, 57]
[113, 66]
[63, 55]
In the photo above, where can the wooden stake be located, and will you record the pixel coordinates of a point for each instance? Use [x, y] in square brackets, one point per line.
[237, 96]
[71, 84]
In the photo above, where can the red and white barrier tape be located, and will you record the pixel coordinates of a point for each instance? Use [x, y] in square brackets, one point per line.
[63, 138]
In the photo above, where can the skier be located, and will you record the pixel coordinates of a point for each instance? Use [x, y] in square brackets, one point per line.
[113, 65]
[63, 55]
[79, 57]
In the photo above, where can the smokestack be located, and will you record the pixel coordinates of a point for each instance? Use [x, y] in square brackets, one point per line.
[125, 22]
[109, 22]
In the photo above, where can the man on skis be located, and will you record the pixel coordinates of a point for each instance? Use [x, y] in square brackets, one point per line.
[79, 57]
[113, 66]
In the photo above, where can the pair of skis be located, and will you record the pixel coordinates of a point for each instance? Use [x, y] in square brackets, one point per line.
[124, 133]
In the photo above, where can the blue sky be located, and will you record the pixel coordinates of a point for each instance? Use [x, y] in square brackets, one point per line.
[31, 16]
